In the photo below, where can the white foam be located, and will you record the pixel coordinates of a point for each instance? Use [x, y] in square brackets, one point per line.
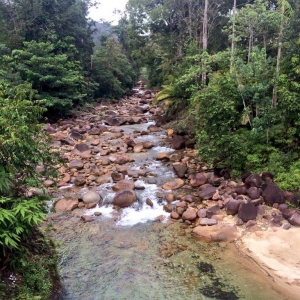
[138, 213]
[163, 149]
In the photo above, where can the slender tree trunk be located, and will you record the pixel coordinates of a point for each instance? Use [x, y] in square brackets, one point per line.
[204, 40]
[250, 43]
[233, 37]
[275, 89]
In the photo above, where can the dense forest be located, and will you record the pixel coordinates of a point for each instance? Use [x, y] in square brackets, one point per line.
[229, 71]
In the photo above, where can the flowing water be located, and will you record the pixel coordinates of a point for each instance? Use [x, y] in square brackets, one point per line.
[128, 255]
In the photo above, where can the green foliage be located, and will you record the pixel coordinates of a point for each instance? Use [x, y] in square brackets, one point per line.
[56, 77]
[23, 146]
[35, 273]
[111, 71]
[288, 179]
[17, 218]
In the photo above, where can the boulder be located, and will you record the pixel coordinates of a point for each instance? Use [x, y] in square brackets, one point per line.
[190, 214]
[75, 135]
[114, 121]
[153, 128]
[91, 197]
[116, 176]
[123, 184]
[253, 192]
[76, 164]
[295, 219]
[147, 145]
[197, 179]
[272, 194]
[177, 142]
[124, 198]
[253, 180]
[180, 168]
[247, 211]
[65, 205]
[212, 211]
[174, 184]
[97, 130]
[79, 180]
[215, 233]
[82, 147]
[138, 148]
[207, 192]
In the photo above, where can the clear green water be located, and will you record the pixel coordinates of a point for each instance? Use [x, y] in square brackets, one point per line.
[101, 261]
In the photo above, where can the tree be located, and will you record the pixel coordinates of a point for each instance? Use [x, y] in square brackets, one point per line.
[111, 70]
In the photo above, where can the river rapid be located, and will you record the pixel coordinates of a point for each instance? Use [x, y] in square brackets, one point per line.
[133, 254]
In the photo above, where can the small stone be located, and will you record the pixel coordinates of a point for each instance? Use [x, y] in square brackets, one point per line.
[286, 226]
[175, 215]
[149, 202]
[97, 213]
[86, 219]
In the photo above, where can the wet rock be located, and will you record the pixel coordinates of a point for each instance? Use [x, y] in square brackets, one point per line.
[162, 156]
[168, 208]
[170, 197]
[247, 211]
[117, 176]
[177, 142]
[138, 148]
[86, 218]
[123, 184]
[91, 197]
[149, 202]
[180, 169]
[272, 194]
[124, 198]
[207, 192]
[232, 206]
[76, 164]
[174, 215]
[207, 222]
[254, 180]
[79, 180]
[147, 145]
[65, 205]
[215, 233]
[190, 214]
[174, 184]
[97, 213]
[197, 179]
[153, 128]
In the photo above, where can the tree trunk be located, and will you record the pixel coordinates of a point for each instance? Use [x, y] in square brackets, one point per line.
[275, 89]
[204, 40]
[233, 37]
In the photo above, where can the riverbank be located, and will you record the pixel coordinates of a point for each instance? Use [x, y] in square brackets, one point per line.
[121, 174]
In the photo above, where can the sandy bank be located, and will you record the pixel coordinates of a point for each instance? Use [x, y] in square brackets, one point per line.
[276, 253]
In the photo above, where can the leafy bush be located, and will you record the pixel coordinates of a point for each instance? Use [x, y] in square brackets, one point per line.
[23, 146]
